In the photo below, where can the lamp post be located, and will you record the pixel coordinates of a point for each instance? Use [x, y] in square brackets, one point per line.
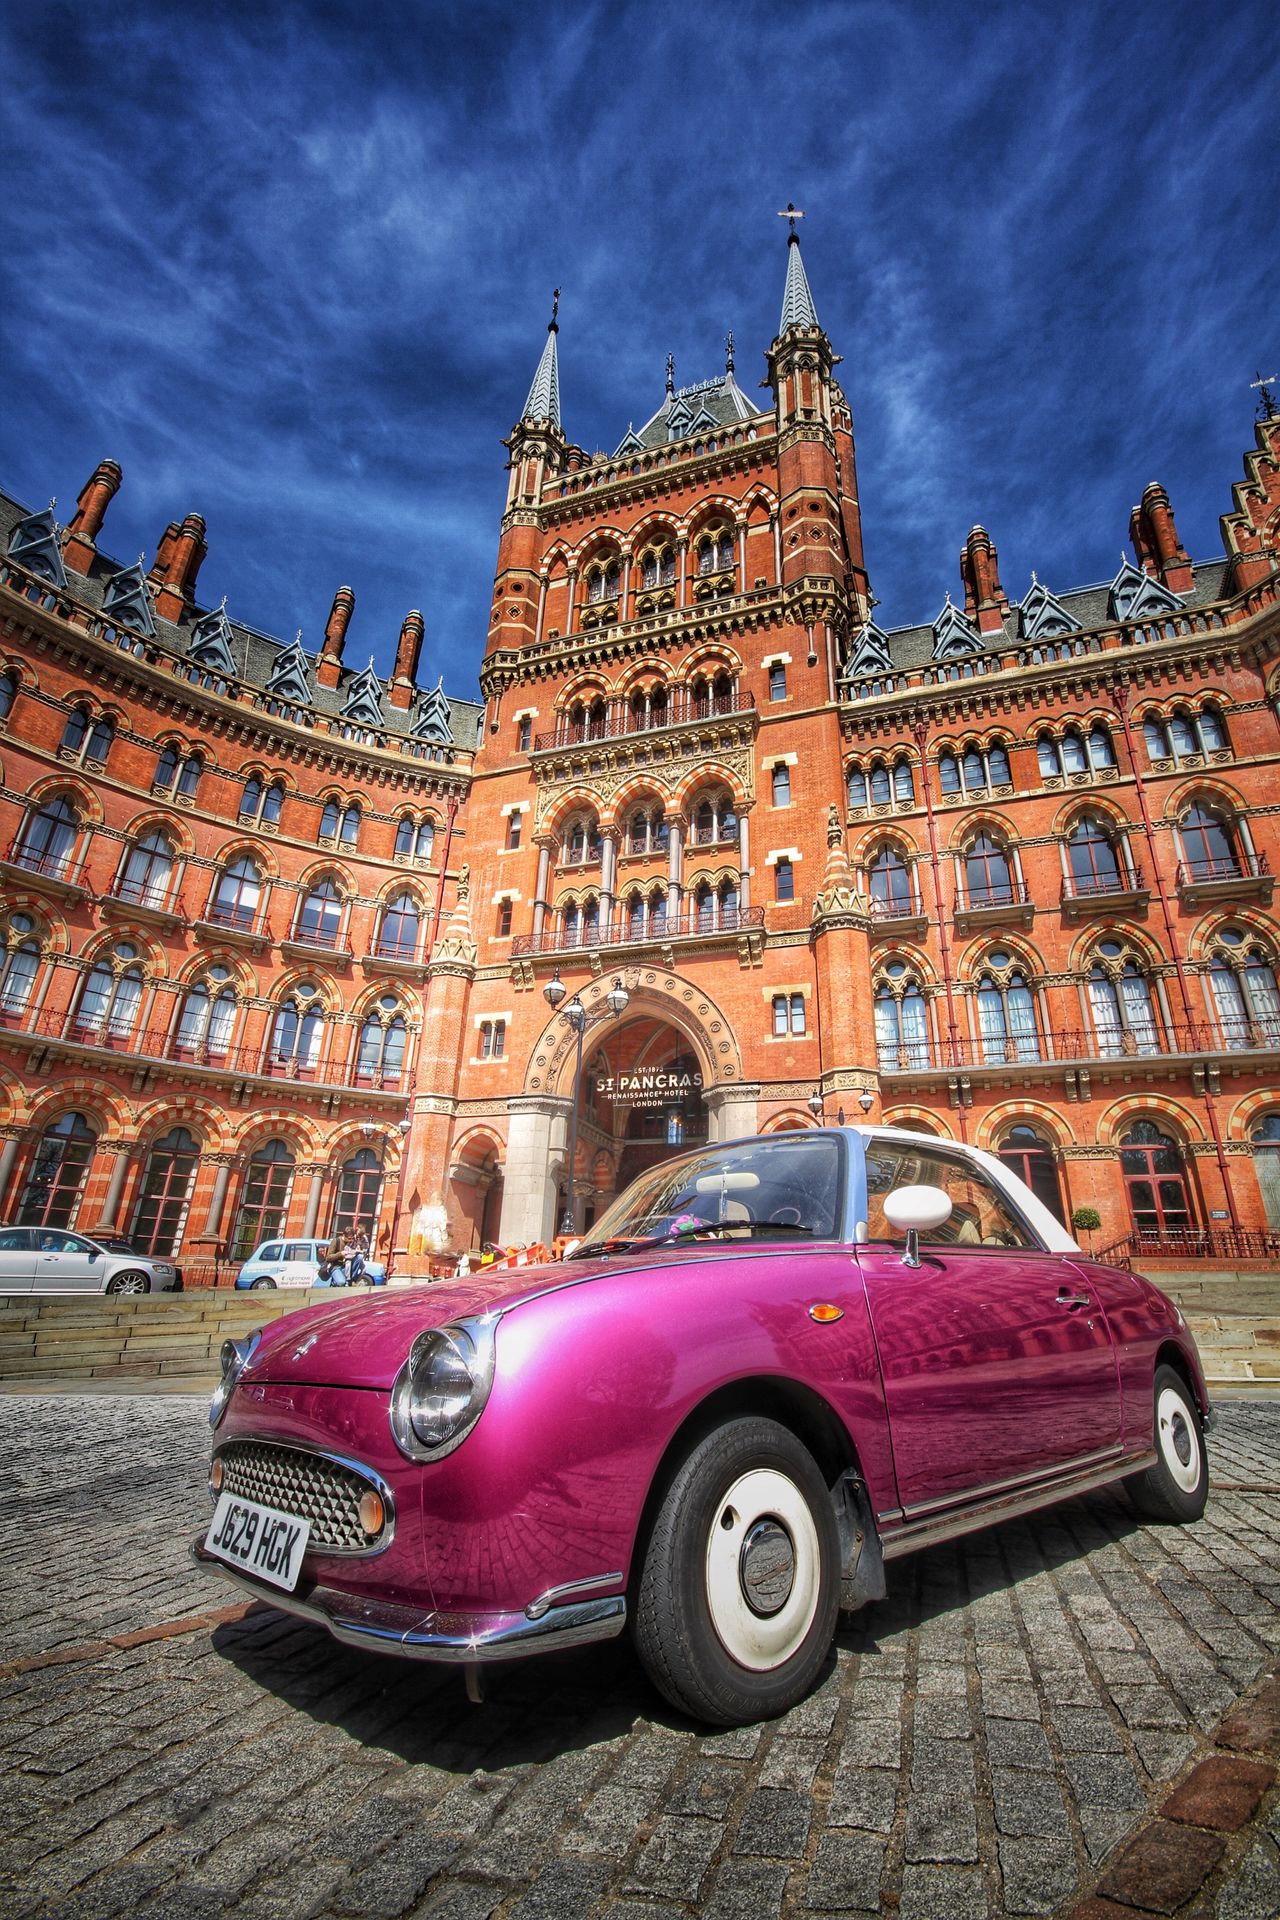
[576, 1014]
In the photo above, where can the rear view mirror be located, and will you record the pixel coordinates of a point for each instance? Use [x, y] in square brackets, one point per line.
[913, 1211]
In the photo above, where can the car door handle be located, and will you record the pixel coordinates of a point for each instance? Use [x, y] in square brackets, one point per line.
[1071, 1300]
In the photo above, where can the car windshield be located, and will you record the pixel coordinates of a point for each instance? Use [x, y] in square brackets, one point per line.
[784, 1187]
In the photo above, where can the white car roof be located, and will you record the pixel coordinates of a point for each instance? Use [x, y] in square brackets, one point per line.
[1051, 1230]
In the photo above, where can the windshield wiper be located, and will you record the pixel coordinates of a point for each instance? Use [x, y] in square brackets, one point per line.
[709, 1229]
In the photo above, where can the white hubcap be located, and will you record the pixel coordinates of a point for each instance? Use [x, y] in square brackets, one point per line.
[763, 1563]
[1178, 1440]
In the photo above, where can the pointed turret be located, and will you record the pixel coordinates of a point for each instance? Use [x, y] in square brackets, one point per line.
[544, 395]
[798, 309]
[537, 448]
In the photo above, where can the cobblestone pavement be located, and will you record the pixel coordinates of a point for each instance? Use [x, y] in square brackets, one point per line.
[984, 1738]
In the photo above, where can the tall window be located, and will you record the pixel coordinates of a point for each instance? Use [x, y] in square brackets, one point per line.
[784, 880]
[21, 962]
[8, 693]
[781, 783]
[1006, 1012]
[1210, 844]
[902, 1021]
[603, 577]
[264, 1205]
[398, 933]
[189, 776]
[1155, 1181]
[208, 1017]
[48, 837]
[261, 804]
[1185, 735]
[110, 999]
[515, 826]
[1092, 858]
[147, 871]
[359, 1195]
[715, 820]
[715, 551]
[581, 845]
[778, 681]
[889, 882]
[166, 768]
[502, 925]
[296, 1033]
[340, 823]
[59, 1169]
[987, 873]
[524, 733]
[165, 1194]
[238, 894]
[716, 907]
[657, 566]
[1124, 1016]
[319, 921]
[493, 1039]
[1242, 978]
[415, 838]
[647, 831]
[380, 1056]
[1030, 1156]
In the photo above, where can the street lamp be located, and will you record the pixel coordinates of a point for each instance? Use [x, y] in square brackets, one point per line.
[814, 1104]
[576, 1014]
[866, 1099]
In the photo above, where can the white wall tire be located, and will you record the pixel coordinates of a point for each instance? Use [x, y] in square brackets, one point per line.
[1176, 1488]
[740, 1587]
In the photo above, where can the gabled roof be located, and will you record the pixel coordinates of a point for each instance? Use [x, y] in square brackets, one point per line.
[35, 545]
[433, 719]
[211, 641]
[869, 653]
[290, 674]
[1134, 595]
[544, 395]
[798, 309]
[363, 701]
[703, 408]
[1043, 615]
[126, 598]
[954, 634]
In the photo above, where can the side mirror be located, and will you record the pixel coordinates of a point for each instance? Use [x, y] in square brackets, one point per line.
[916, 1210]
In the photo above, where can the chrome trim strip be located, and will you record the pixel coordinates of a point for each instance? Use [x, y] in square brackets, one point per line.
[553, 1595]
[374, 1478]
[461, 1639]
[993, 1488]
[949, 1526]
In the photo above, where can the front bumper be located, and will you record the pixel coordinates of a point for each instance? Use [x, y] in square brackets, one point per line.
[461, 1639]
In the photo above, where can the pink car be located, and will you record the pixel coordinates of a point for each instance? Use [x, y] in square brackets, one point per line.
[773, 1366]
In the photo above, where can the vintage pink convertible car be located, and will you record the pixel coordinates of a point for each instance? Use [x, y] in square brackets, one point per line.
[774, 1365]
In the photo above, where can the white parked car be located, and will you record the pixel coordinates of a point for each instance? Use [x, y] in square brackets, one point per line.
[55, 1260]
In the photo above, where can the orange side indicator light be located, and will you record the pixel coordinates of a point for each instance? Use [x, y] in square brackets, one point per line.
[824, 1313]
[371, 1514]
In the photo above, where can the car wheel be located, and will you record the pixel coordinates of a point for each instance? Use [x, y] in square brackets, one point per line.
[740, 1586]
[1177, 1486]
[261, 1281]
[129, 1283]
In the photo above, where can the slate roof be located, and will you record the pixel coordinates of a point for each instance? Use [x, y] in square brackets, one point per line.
[207, 634]
[798, 309]
[690, 411]
[544, 395]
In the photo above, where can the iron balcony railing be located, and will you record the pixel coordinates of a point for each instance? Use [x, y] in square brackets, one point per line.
[620, 720]
[1220, 866]
[1000, 893]
[146, 894]
[1099, 886]
[230, 917]
[323, 939]
[1190, 1243]
[685, 926]
[1077, 1044]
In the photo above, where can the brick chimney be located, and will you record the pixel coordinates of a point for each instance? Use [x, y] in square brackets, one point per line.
[1156, 545]
[91, 510]
[329, 665]
[178, 560]
[985, 600]
[408, 652]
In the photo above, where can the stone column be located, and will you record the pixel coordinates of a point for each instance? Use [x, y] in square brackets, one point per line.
[8, 1154]
[314, 1193]
[571, 609]
[742, 558]
[537, 1128]
[542, 607]
[675, 869]
[540, 890]
[744, 863]
[626, 586]
[109, 1219]
[608, 876]
[218, 1201]
[732, 1110]
[683, 550]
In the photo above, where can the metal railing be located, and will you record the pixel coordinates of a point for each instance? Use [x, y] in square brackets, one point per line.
[1220, 866]
[323, 939]
[1101, 886]
[1065, 1044]
[1190, 1243]
[684, 926]
[620, 720]
[1001, 893]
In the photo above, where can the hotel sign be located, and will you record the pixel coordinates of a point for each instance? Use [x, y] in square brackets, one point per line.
[650, 1087]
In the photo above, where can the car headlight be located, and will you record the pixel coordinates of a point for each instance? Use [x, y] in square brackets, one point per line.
[236, 1355]
[441, 1389]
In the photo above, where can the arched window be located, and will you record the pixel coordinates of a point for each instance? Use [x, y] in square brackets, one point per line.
[261, 804]
[1242, 978]
[48, 837]
[8, 693]
[398, 933]
[380, 1056]
[272, 801]
[901, 1020]
[59, 1168]
[208, 1017]
[319, 921]
[715, 550]
[1006, 1012]
[1185, 735]
[20, 966]
[110, 998]
[1025, 1153]
[716, 908]
[1155, 1182]
[238, 894]
[881, 791]
[976, 770]
[889, 882]
[987, 872]
[571, 926]
[715, 821]
[658, 566]
[603, 578]
[166, 768]
[349, 826]
[264, 1206]
[165, 1194]
[329, 818]
[359, 1196]
[581, 845]
[148, 871]
[189, 777]
[1092, 858]
[101, 736]
[294, 1047]
[251, 798]
[1210, 845]
[1102, 754]
[636, 916]
[76, 730]
[856, 785]
[904, 786]
[1120, 1002]
[647, 831]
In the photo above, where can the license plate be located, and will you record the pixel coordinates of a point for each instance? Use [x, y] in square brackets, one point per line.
[259, 1540]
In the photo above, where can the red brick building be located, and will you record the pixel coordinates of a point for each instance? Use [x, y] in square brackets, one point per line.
[278, 933]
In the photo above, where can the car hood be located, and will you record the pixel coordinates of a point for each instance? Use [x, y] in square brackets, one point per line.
[364, 1342]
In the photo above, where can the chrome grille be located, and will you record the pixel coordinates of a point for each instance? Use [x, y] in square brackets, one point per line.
[308, 1485]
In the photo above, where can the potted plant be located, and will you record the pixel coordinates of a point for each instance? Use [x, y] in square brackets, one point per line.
[1086, 1220]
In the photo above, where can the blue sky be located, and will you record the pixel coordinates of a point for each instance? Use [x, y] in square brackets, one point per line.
[291, 266]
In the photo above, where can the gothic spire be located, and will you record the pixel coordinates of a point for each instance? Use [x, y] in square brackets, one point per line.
[798, 309]
[544, 395]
